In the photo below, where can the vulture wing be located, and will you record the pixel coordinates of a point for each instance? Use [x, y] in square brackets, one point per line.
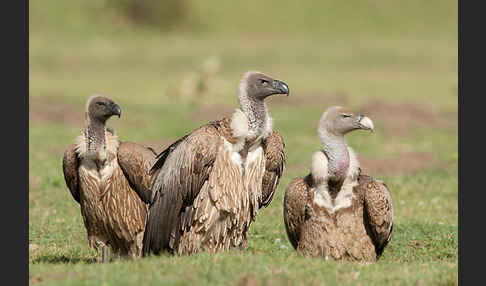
[379, 211]
[179, 173]
[70, 163]
[295, 200]
[136, 160]
[274, 149]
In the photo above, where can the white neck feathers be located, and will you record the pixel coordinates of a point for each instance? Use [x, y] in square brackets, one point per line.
[242, 130]
[322, 197]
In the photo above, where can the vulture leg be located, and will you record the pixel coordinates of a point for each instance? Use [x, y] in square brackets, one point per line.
[104, 254]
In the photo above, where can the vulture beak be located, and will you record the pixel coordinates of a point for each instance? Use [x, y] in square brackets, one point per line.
[365, 123]
[115, 109]
[281, 87]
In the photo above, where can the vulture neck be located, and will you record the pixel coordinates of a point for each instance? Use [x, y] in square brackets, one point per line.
[256, 112]
[336, 151]
[95, 132]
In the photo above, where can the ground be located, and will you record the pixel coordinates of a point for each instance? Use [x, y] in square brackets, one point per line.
[169, 83]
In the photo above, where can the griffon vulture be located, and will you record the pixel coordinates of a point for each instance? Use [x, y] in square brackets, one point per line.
[110, 180]
[335, 211]
[209, 184]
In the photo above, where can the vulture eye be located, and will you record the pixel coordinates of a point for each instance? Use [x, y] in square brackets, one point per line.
[101, 103]
[263, 81]
[345, 115]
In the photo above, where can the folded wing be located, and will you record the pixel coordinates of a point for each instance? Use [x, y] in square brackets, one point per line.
[295, 200]
[70, 164]
[179, 173]
[136, 160]
[274, 148]
[378, 211]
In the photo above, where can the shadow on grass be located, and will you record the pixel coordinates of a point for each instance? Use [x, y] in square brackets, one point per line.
[62, 259]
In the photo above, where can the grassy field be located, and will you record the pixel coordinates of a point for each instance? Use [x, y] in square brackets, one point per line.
[394, 62]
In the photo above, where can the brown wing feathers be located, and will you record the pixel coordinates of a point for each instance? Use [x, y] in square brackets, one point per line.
[274, 149]
[163, 155]
[70, 163]
[379, 211]
[180, 172]
[295, 200]
[136, 161]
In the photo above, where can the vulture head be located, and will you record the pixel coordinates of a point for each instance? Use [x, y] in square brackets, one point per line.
[258, 85]
[338, 121]
[100, 108]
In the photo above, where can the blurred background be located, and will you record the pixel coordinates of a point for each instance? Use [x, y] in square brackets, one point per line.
[173, 65]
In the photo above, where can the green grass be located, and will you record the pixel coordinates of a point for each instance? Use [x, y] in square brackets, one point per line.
[366, 50]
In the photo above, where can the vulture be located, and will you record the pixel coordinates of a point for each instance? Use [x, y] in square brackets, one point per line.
[110, 180]
[209, 184]
[335, 211]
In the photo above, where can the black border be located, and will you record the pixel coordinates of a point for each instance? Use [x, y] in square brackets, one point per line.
[471, 63]
[14, 210]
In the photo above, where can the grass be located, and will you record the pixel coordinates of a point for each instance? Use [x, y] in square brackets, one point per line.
[399, 53]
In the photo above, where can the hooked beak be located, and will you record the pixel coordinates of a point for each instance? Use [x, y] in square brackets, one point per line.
[115, 109]
[365, 123]
[281, 87]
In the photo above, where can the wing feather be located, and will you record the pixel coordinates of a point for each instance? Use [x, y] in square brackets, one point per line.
[379, 211]
[295, 200]
[274, 148]
[136, 160]
[70, 163]
[178, 174]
